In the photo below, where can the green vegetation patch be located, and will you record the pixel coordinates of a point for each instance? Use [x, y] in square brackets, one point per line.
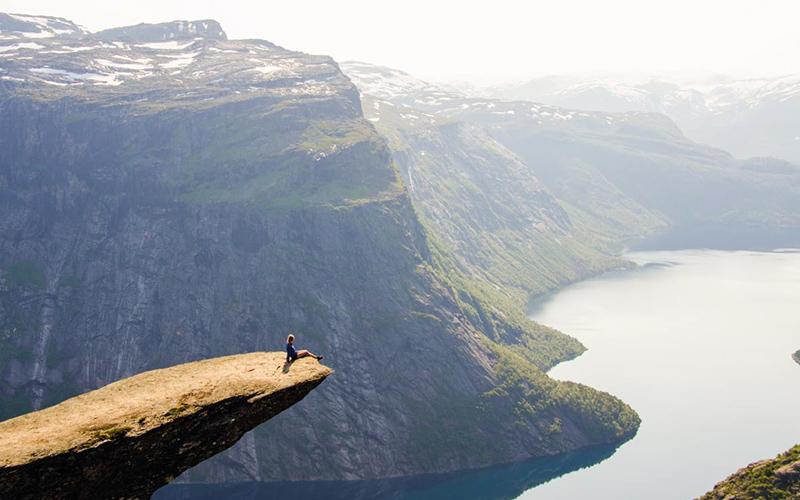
[777, 478]
[302, 163]
[527, 400]
[601, 416]
[499, 312]
[329, 135]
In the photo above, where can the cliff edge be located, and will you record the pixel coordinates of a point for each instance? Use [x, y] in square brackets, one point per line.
[130, 437]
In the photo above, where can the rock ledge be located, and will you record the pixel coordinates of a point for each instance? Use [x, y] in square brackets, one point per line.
[130, 437]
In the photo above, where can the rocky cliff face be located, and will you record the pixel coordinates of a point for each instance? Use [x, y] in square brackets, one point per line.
[486, 207]
[172, 200]
[128, 438]
[504, 232]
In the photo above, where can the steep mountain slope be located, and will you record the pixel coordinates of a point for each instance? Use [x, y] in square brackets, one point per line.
[172, 195]
[709, 198]
[491, 210]
[485, 206]
[756, 117]
[625, 174]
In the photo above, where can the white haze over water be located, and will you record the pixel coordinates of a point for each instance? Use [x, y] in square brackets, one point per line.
[488, 42]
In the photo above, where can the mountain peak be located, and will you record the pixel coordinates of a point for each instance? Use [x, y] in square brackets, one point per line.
[160, 32]
[27, 26]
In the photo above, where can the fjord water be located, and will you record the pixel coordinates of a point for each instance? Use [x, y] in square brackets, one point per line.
[699, 343]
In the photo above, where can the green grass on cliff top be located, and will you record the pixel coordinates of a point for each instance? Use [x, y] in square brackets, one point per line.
[320, 163]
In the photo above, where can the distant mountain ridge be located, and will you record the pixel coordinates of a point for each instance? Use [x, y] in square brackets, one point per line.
[175, 30]
[14, 26]
[748, 117]
[617, 179]
[481, 201]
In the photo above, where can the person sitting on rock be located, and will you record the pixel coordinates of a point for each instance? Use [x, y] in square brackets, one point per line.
[292, 354]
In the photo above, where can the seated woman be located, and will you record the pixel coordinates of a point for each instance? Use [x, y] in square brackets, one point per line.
[292, 354]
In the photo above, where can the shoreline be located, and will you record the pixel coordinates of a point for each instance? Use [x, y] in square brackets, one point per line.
[580, 319]
[534, 300]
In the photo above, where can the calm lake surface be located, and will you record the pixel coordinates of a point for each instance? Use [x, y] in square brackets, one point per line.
[699, 343]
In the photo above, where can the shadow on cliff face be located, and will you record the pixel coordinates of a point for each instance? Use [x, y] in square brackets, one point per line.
[498, 482]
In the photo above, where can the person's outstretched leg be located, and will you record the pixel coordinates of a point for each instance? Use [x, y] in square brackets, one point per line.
[304, 353]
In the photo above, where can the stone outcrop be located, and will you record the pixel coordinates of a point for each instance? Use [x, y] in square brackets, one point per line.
[789, 471]
[774, 478]
[130, 437]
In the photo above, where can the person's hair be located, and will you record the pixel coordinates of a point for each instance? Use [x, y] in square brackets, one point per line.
[290, 338]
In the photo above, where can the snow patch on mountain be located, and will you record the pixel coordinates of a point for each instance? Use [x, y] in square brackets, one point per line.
[198, 56]
[388, 83]
[170, 45]
[17, 46]
[68, 76]
[36, 27]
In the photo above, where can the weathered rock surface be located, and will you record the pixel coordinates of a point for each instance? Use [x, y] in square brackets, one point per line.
[777, 478]
[128, 438]
[789, 471]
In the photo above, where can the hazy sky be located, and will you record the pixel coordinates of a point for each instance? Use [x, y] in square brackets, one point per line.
[493, 40]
